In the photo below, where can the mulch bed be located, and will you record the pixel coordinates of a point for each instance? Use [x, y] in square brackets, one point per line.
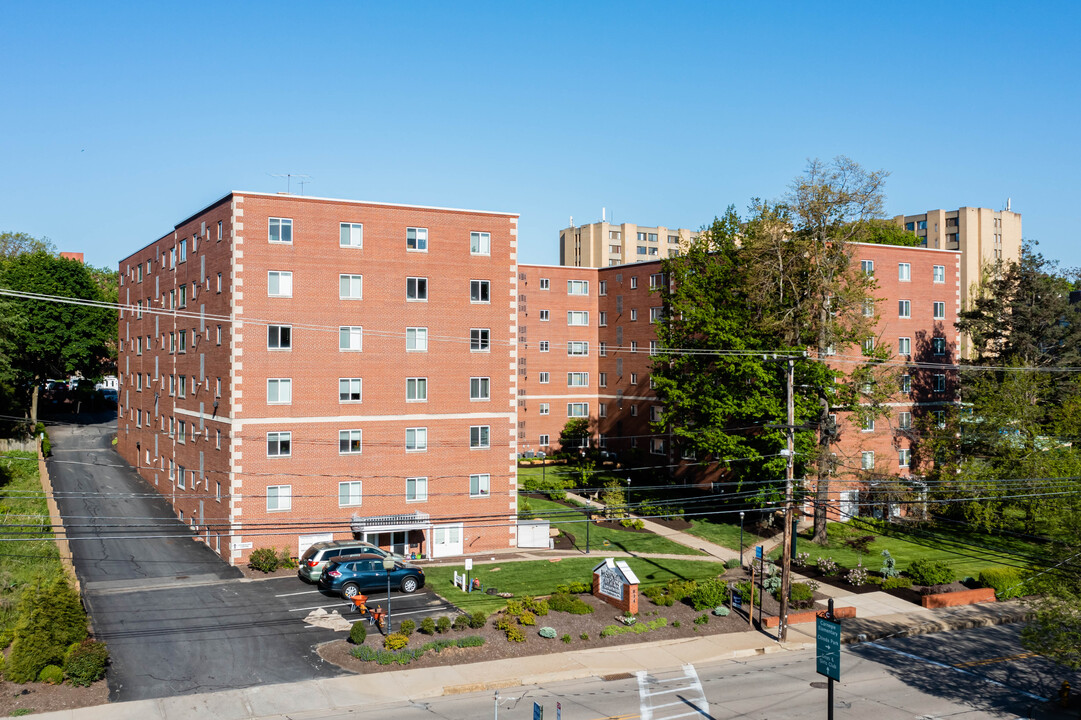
[497, 647]
[39, 697]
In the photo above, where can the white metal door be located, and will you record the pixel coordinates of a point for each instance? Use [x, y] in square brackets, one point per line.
[447, 540]
[848, 507]
[306, 541]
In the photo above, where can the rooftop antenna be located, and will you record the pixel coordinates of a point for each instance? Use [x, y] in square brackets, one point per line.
[572, 221]
[289, 179]
[604, 214]
[302, 183]
[1008, 201]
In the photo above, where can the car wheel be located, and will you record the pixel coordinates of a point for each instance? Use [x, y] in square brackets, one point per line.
[349, 590]
[409, 585]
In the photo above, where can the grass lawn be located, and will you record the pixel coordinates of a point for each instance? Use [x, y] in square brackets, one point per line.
[540, 577]
[723, 534]
[964, 551]
[618, 539]
[20, 496]
[527, 475]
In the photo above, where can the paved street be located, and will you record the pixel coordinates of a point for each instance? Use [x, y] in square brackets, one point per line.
[177, 619]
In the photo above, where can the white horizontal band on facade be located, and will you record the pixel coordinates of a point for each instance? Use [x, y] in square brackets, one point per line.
[295, 420]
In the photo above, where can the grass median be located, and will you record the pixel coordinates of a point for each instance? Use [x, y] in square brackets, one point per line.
[540, 577]
[723, 534]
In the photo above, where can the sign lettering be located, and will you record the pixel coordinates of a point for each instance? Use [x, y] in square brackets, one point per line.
[611, 584]
[828, 648]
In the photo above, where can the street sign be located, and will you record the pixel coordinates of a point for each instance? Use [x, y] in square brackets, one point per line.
[828, 648]
[559, 711]
[538, 711]
[469, 563]
[737, 600]
[758, 551]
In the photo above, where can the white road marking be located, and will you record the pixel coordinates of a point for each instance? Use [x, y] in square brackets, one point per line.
[650, 686]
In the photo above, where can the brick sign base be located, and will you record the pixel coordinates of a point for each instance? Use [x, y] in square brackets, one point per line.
[610, 575]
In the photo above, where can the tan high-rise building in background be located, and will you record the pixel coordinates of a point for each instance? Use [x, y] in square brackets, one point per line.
[605, 244]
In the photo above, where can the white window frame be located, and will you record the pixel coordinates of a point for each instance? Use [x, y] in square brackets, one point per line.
[543, 346]
[904, 420]
[418, 336]
[577, 379]
[904, 272]
[284, 277]
[544, 316]
[277, 437]
[867, 266]
[416, 439]
[480, 389]
[545, 283]
[416, 289]
[904, 309]
[281, 387]
[904, 346]
[542, 409]
[543, 441]
[578, 348]
[419, 388]
[480, 437]
[350, 493]
[419, 489]
[276, 330]
[483, 482]
[353, 438]
[867, 460]
[279, 498]
[938, 273]
[348, 283]
[351, 386]
[480, 243]
[351, 235]
[904, 457]
[354, 336]
[578, 318]
[578, 287]
[284, 227]
[480, 292]
[938, 310]
[480, 340]
[578, 410]
[419, 239]
[543, 378]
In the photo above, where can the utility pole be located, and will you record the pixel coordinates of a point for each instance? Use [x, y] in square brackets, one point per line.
[786, 551]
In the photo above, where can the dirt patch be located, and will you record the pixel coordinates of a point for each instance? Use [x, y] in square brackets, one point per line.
[497, 647]
[675, 523]
[251, 574]
[39, 697]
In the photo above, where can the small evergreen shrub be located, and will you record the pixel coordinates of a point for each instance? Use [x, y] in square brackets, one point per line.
[562, 602]
[395, 641]
[677, 624]
[84, 662]
[731, 563]
[584, 636]
[407, 627]
[930, 572]
[515, 634]
[701, 619]
[461, 622]
[514, 608]
[574, 588]
[1008, 582]
[442, 624]
[50, 618]
[896, 582]
[566, 639]
[264, 560]
[287, 561]
[51, 675]
[427, 626]
[527, 618]
[477, 619]
[889, 565]
[358, 633]
[547, 632]
[709, 594]
[800, 595]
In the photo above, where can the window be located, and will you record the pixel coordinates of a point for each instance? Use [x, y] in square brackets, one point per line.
[480, 388]
[578, 317]
[416, 389]
[279, 283]
[656, 314]
[904, 346]
[634, 378]
[416, 339]
[219, 282]
[869, 344]
[182, 386]
[544, 283]
[602, 379]
[868, 460]
[634, 283]
[182, 337]
[416, 489]
[654, 347]
[576, 347]
[183, 296]
[479, 340]
[543, 441]
[352, 235]
[217, 444]
[940, 418]
[279, 444]
[938, 345]
[350, 390]
[939, 309]
[577, 379]
[577, 287]
[217, 392]
[904, 420]
[350, 493]
[603, 318]
[480, 243]
[181, 431]
[656, 446]
[480, 485]
[602, 287]
[904, 272]
[868, 424]
[479, 291]
[602, 349]
[868, 308]
[350, 338]
[575, 410]
[906, 383]
[939, 272]
[634, 346]
[940, 383]
[542, 378]
[349, 442]
[634, 411]
[634, 314]
[542, 409]
[655, 413]
[544, 346]
[219, 335]
[904, 308]
[903, 457]
[416, 239]
[479, 436]
[416, 289]
[279, 337]
[281, 230]
[602, 410]
[279, 391]
[351, 287]
[416, 439]
[910, 226]
[868, 267]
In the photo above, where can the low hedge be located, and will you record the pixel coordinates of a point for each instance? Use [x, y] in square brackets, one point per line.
[1008, 582]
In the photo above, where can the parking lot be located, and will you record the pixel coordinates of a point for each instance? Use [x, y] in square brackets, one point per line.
[302, 599]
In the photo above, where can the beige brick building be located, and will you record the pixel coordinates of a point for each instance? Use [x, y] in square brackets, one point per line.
[604, 244]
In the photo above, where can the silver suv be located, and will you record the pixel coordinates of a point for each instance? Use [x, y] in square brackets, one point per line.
[318, 555]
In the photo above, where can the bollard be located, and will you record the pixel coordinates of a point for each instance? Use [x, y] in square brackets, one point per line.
[1064, 694]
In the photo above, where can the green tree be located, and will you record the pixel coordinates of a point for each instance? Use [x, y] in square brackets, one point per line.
[575, 434]
[13, 244]
[1055, 631]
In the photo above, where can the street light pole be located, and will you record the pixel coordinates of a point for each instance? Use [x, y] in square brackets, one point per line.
[388, 565]
[786, 552]
[741, 538]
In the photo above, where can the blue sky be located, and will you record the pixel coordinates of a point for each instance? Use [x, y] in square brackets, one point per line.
[121, 119]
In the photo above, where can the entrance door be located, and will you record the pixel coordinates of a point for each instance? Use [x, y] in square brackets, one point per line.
[393, 541]
[447, 540]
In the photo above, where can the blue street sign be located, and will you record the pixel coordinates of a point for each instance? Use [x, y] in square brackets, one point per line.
[828, 648]
[538, 711]
[758, 551]
[737, 601]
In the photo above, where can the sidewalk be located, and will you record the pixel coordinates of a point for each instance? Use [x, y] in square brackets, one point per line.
[341, 694]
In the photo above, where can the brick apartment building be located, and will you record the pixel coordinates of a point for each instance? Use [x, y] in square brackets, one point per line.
[297, 368]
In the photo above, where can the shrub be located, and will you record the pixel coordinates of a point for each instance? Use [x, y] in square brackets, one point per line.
[745, 589]
[659, 596]
[470, 641]
[442, 624]
[547, 632]
[85, 661]
[562, 602]
[514, 608]
[826, 566]
[477, 619]
[896, 582]
[574, 588]
[639, 524]
[680, 589]
[626, 522]
[857, 576]
[701, 619]
[264, 560]
[860, 543]
[359, 633]
[709, 594]
[731, 563]
[1008, 582]
[51, 675]
[50, 618]
[566, 639]
[285, 560]
[801, 559]
[407, 627]
[395, 641]
[427, 626]
[535, 606]
[515, 634]
[461, 622]
[584, 636]
[889, 565]
[676, 624]
[527, 618]
[930, 572]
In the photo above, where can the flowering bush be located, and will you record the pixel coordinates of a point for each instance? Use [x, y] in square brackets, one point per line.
[826, 566]
[857, 576]
[802, 559]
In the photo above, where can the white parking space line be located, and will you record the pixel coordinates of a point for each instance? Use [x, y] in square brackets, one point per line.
[393, 615]
[302, 592]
